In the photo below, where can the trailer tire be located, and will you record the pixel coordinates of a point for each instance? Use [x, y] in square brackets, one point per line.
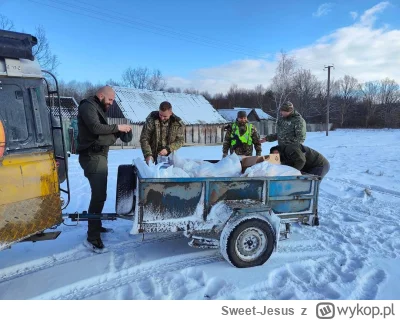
[249, 243]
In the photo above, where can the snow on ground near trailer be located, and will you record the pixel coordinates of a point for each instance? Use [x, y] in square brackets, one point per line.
[353, 254]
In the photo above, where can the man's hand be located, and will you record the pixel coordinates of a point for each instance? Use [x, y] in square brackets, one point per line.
[149, 159]
[271, 137]
[124, 128]
[163, 152]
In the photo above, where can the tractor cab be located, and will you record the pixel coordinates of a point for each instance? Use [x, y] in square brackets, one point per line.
[33, 158]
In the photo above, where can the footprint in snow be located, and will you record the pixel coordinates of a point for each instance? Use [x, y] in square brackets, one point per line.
[195, 274]
[147, 288]
[300, 273]
[278, 277]
[177, 288]
[368, 285]
[213, 287]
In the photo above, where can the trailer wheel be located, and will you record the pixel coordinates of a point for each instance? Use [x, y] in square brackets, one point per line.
[250, 243]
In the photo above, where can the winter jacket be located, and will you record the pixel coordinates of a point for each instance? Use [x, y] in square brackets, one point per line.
[93, 129]
[289, 130]
[150, 137]
[301, 157]
[239, 147]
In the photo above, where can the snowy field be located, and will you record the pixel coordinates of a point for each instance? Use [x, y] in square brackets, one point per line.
[353, 254]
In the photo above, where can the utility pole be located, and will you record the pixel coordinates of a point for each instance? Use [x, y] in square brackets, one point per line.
[328, 98]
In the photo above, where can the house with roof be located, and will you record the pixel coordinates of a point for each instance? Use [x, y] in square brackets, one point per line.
[203, 124]
[69, 115]
[69, 107]
[264, 123]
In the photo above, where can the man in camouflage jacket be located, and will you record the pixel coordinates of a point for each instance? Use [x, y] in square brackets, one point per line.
[302, 158]
[163, 133]
[291, 127]
[240, 137]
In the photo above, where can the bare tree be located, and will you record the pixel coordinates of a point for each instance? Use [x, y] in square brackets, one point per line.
[112, 82]
[370, 91]
[191, 91]
[78, 90]
[389, 98]
[135, 77]
[233, 96]
[173, 90]
[305, 87]
[5, 23]
[259, 94]
[157, 81]
[282, 81]
[347, 92]
[47, 60]
[143, 78]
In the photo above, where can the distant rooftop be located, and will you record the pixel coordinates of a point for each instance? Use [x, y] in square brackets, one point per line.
[136, 104]
[69, 107]
[231, 114]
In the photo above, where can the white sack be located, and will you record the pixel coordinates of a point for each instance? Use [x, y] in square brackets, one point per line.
[229, 166]
[266, 169]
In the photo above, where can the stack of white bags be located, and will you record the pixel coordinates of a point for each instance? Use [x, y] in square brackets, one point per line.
[229, 166]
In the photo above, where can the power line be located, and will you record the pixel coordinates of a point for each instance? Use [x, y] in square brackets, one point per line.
[152, 24]
[162, 30]
[143, 27]
[119, 19]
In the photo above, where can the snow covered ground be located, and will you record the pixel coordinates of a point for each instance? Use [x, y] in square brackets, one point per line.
[353, 254]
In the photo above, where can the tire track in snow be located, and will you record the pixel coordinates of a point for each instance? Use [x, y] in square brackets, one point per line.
[342, 230]
[76, 254]
[370, 186]
[155, 269]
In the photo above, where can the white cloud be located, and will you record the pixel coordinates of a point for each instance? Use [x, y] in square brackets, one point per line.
[245, 73]
[323, 9]
[362, 50]
[369, 16]
[354, 14]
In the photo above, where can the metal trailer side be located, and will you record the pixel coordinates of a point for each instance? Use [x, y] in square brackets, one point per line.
[240, 215]
[184, 204]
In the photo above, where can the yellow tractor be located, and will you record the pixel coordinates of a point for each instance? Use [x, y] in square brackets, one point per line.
[33, 157]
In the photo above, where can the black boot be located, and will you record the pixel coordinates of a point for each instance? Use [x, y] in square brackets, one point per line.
[95, 244]
[106, 230]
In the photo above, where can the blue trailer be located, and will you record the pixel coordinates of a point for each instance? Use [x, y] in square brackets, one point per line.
[243, 217]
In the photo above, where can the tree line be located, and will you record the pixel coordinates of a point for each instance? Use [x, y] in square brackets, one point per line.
[353, 104]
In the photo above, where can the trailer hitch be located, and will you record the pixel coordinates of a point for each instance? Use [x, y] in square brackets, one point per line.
[84, 216]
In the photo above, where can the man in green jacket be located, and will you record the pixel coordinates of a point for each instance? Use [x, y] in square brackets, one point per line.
[95, 136]
[291, 127]
[240, 137]
[162, 133]
[303, 158]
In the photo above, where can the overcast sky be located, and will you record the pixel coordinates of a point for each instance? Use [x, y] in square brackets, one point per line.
[212, 44]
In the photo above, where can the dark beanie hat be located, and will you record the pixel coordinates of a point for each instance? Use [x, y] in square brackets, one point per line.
[287, 106]
[241, 114]
[274, 148]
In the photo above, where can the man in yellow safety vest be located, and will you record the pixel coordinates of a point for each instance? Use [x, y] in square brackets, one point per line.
[240, 137]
